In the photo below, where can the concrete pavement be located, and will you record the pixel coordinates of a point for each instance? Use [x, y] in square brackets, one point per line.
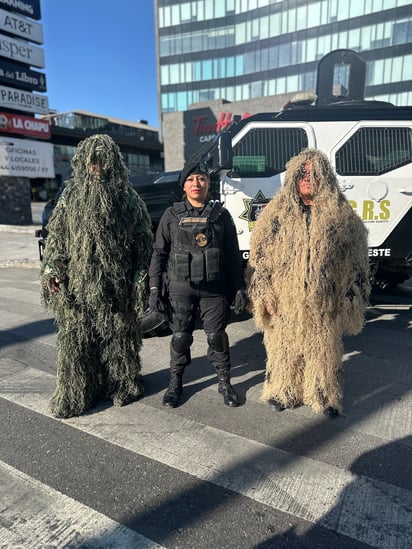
[203, 475]
[18, 245]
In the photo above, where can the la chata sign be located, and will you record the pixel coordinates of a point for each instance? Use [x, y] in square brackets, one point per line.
[25, 125]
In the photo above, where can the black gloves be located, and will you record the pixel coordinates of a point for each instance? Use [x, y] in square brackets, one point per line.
[240, 301]
[155, 299]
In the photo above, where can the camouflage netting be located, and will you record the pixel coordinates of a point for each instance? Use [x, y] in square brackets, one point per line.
[99, 246]
[316, 279]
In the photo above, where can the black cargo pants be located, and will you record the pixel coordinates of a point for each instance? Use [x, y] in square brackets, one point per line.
[187, 300]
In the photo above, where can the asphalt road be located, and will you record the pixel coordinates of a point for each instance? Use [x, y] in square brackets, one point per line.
[202, 475]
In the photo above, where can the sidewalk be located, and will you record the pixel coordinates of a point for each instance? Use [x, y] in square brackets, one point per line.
[18, 245]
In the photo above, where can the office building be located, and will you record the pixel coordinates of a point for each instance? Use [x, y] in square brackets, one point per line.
[242, 51]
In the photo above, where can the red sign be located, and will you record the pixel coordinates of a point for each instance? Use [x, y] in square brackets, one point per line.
[26, 125]
[225, 120]
[202, 124]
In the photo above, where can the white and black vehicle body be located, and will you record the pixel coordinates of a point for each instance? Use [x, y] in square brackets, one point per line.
[369, 144]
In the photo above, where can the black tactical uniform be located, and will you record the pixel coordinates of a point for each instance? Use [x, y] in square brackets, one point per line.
[198, 250]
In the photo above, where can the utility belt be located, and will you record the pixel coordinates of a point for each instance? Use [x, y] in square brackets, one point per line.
[201, 266]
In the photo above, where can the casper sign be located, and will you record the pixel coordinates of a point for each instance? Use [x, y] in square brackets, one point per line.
[20, 26]
[26, 125]
[20, 76]
[23, 101]
[21, 51]
[24, 158]
[31, 8]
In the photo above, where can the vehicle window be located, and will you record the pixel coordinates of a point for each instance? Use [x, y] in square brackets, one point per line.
[263, 152]
[374, 151]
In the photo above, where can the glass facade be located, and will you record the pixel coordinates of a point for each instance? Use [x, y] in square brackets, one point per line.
[140, 146]
[73, 120]
[243, 49]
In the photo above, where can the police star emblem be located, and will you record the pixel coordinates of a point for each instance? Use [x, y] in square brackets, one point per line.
[201, 240]
[253, 208]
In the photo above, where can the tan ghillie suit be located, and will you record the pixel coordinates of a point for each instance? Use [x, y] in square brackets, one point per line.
[314, 274]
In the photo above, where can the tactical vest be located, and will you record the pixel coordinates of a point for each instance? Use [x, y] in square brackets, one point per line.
[196, 256]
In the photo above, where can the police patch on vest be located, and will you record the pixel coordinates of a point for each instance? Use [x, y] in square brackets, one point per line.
[201, 239]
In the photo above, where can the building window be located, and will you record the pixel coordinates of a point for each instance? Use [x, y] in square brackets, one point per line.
[137, 164]
[402, 32]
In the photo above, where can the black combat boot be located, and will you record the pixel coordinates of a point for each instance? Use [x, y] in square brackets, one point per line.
[330, 411]
[276, 405]
[172, 395]
[230, 397]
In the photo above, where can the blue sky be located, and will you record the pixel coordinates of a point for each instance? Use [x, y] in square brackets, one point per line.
[100, 57]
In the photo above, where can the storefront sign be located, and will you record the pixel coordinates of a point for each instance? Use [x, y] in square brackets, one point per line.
[19, 76]
[203, 125]
[31, 8]
[21, 51]
[14, 123]
[25, 158]
[19, 26]
[23, 101]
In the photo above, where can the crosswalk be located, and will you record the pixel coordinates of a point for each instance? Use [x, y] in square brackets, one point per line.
[48, 518]
[202, 475]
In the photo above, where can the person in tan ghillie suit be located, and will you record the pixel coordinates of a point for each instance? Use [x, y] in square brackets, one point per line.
[308, 285]
[97, 253]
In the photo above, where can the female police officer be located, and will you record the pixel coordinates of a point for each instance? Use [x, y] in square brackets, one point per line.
[197, 251]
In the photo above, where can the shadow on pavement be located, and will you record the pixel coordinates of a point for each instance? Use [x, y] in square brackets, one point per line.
[27, 332]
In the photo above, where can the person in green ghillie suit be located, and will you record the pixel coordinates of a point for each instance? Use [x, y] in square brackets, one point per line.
[93, 281]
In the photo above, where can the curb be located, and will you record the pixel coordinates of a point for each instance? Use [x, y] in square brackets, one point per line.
[19, 229]
[23, 263]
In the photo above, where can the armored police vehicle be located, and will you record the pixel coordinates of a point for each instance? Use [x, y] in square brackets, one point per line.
[369, 144]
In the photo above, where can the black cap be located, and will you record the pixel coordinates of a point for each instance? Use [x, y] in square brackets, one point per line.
[191, 167]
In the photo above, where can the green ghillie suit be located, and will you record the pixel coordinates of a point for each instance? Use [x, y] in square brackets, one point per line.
[98, 247]
[310, 267]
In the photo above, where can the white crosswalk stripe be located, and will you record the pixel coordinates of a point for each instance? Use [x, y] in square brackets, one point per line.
[47, 518]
